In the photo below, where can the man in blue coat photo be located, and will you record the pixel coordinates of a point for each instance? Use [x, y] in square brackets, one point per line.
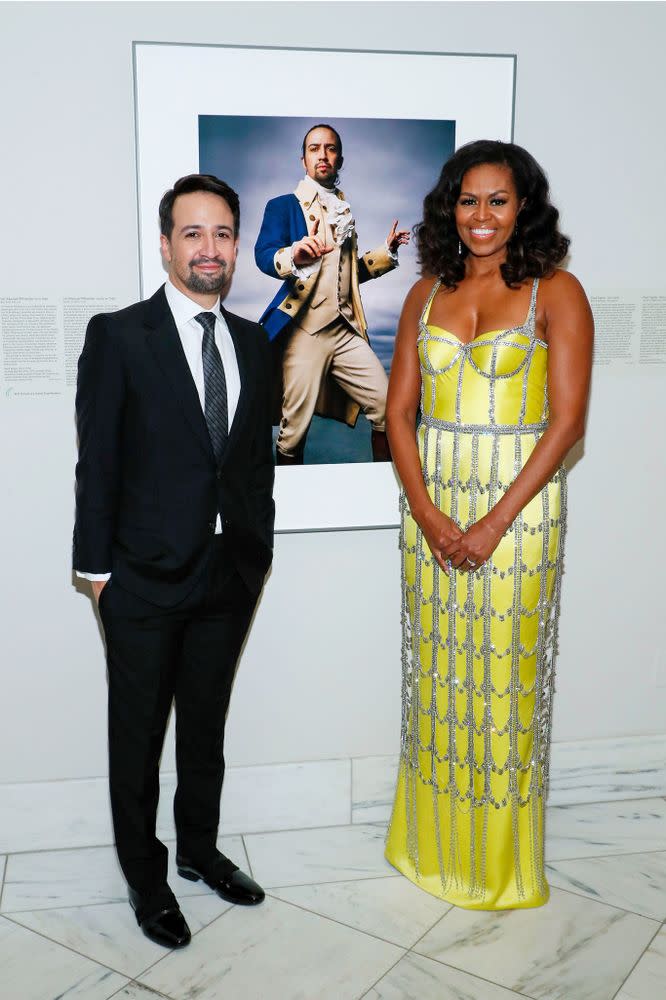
[308, 240]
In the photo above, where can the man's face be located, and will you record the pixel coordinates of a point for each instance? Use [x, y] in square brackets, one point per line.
[322, 156]
[201, 252]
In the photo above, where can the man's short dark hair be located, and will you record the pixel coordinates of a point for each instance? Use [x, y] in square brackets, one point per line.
[190, 184]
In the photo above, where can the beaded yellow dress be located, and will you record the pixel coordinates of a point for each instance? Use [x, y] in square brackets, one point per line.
[478, 648]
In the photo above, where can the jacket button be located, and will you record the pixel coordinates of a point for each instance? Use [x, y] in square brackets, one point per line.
[301, 287]
[312, 218]
[287, 305]
[371, 261]
[279, 266]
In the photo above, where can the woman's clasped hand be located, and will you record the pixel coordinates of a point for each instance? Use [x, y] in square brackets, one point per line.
[453, 548]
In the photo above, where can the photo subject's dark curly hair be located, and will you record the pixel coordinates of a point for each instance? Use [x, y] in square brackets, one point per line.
[536, 246]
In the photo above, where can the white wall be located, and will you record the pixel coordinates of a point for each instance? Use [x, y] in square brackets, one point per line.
[320, 674]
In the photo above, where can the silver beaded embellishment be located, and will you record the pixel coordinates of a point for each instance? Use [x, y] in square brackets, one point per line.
[458, 687]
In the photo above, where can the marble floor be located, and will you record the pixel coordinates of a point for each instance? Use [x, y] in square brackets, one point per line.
[338, 924]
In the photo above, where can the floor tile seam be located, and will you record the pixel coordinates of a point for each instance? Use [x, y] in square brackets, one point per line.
[327, 826]
[72, 906]
[172, 840]
[340, 923]
[357, 824]
[123, 899]
[133, 977]
[67, 947]
[436, 923]
[552, 863]
[603, 902]
[135, 982]
[116, 993]
[384, 974]
[167, 841]
[57, 850]
[168, 952]
[322, 881]
[598, 857]
[247, 855]
[474, 975]
[641, 956]
[298, 829]
[307, 829]
[657, 797]
[2, 879]
[291, 829]
[337, 881]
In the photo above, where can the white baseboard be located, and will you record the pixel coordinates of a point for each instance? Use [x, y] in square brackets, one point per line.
[271, 797]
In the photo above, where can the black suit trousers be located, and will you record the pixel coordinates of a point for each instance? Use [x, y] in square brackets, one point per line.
[185, 655]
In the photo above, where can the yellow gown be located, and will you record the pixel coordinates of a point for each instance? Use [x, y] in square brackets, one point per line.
[478, 648]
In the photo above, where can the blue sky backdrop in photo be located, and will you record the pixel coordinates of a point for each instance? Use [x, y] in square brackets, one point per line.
[390, 164]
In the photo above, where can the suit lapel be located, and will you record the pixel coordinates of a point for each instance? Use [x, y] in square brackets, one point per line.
[164, 343]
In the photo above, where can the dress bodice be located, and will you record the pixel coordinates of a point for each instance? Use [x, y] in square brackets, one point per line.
[498, 379]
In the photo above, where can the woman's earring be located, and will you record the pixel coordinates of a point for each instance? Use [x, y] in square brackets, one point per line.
[459, 248]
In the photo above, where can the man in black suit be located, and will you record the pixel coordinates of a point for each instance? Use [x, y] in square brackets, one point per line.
[174, 527]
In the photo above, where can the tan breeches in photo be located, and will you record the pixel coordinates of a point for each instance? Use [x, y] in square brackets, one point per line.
[334, 351]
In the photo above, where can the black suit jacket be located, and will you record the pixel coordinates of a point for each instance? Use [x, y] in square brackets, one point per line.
[148, 488]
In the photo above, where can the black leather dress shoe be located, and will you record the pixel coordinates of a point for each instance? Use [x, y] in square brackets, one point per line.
[159, 917]
[223, 877]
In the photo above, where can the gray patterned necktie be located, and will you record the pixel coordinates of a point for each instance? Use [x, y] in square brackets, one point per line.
[215, 386]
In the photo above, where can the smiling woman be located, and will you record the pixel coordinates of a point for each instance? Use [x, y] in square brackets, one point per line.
[501, 401]
[532, 245]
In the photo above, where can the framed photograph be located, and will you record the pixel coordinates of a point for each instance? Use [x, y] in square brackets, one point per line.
[398, 116]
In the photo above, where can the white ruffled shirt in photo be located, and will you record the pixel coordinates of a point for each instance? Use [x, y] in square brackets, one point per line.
[338, 212]
[339, 215]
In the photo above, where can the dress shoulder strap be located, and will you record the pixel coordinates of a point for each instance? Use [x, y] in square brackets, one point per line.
[426, 309]
[529, 322]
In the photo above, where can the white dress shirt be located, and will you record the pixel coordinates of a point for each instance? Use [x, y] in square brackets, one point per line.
[184, 309]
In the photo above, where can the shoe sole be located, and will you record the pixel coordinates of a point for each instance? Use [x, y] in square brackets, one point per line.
[190, 875]
[193, 876]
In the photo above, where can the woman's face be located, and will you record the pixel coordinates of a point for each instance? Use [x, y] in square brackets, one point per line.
[487, 209]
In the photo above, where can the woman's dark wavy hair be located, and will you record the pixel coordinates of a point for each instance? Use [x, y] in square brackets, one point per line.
[536, 246]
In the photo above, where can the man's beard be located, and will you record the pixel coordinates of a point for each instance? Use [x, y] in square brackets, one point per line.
[207, 284]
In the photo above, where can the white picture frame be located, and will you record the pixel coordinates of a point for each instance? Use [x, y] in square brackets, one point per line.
[176, 83]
